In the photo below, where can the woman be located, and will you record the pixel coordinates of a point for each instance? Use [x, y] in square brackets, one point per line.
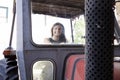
[57, 34]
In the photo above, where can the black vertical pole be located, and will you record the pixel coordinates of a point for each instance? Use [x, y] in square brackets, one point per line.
[72, 30]
[13, 21]
[99, 39]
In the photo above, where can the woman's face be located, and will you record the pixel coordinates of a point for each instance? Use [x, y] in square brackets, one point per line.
[57, 30]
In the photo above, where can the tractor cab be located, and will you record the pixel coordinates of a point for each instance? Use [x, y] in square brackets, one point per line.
[91, 50]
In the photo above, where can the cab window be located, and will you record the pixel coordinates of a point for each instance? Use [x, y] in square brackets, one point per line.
[43, 70]
[42, 24]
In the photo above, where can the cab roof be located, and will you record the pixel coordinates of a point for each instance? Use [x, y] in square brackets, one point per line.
[59, 8]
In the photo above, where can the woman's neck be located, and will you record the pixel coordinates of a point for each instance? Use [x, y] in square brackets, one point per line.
[56, 38]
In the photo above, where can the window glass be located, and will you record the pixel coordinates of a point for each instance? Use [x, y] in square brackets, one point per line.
[42, 24]
[43, 70]
[3, 14]
[118, 12]
[45, 16]
[79, 30]
[117, 24]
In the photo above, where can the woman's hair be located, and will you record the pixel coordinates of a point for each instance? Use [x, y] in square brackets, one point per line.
[62, 37]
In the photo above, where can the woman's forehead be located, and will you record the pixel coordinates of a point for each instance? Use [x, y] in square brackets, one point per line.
[58, 26]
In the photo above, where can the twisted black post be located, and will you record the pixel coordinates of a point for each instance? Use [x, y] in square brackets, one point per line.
[11, 64]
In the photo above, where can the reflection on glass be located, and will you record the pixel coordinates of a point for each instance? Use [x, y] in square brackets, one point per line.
[43, 70]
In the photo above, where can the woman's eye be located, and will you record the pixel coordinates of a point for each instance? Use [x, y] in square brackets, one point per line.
[59, 29]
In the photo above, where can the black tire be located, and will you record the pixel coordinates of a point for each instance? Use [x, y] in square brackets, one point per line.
[11, 69]
[2, 69]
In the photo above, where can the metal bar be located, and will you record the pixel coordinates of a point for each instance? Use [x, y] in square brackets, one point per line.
[12, 29]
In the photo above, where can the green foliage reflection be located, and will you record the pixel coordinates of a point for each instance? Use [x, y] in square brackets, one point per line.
[79, 30]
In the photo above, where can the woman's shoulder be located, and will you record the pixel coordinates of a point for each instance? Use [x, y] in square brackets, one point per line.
[46, 40]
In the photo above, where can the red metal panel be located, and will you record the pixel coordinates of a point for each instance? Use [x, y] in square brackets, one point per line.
[80, 70]
[116, 70]
[70, 66]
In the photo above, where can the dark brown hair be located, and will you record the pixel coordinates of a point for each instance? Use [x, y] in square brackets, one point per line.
[62, 37]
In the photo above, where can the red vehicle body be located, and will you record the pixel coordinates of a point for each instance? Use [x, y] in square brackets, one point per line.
[75, 68]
